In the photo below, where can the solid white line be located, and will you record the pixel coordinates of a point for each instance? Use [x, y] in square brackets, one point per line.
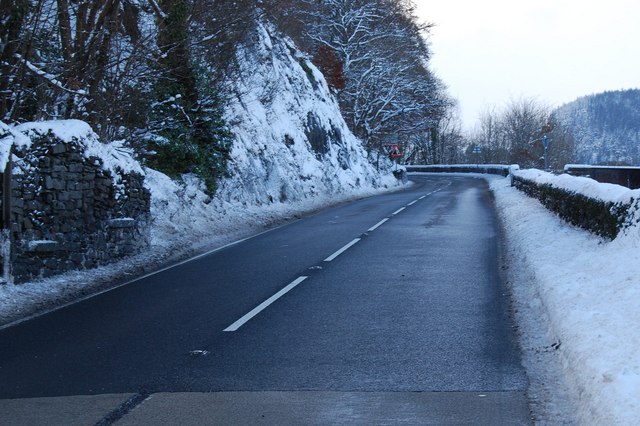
[412, 203]
[374, 227]
[342, 250]
[398, 211]
[255, 311]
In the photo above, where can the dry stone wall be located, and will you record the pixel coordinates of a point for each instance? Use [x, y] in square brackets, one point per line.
[68, 211]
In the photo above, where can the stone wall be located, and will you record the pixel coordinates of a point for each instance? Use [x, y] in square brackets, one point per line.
[69, 212]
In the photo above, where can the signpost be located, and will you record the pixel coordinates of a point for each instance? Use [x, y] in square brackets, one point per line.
[476, 151]
[545, 144]
[392, 148]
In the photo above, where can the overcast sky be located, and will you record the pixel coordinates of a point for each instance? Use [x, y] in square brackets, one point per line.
[491, 51]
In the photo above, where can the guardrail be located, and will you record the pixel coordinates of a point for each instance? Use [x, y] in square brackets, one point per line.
[495, 169]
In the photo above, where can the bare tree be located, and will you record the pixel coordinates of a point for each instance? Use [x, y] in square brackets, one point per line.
[516, 135]
[388, 87]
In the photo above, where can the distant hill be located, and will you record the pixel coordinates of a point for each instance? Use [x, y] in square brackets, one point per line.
[606, 127]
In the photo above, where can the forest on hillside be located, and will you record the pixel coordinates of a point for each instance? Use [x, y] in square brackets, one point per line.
[158, 73]
[605, 126]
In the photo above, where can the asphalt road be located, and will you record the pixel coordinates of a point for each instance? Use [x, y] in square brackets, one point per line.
[373, 300]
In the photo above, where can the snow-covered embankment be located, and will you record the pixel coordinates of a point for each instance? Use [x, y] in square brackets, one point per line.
[292, 154]
[588, 288]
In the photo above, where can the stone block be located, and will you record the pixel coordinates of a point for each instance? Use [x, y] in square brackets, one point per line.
[76, 168]
[59, 184]
[74, 185]
[43, 246]
[46, 273]
[125, 222]
[51, 263]
[59, 148]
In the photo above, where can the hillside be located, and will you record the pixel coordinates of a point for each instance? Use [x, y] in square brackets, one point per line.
[606, 127]
[292, 150]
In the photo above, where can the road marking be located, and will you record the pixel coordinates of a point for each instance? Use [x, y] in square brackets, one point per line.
[342, 250]
[140, 278]
[412, 203]
[255, 311]
[424, 196]
[374, 227]
[398, 211]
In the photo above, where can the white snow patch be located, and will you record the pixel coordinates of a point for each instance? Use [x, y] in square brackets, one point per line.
[115, 156]
[66, 130]
[588, 289]
[8, 139]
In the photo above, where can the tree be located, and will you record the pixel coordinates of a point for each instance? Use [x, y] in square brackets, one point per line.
[440, 144]
[388, 88]
[57, 55]
[194, 137]
[515, 135]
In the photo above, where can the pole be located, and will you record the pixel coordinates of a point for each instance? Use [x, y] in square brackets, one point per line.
[545, 143]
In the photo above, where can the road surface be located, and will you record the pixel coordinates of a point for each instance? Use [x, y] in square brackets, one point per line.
[385, 310]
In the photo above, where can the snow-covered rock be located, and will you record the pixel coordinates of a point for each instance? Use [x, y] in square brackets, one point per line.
[292, 152]
[291, 141]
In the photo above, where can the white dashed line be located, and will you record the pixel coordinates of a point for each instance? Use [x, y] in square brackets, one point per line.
[423, 197]
[398, 211]
[412, 203]
[342, 250]
[374, 227]
[255, 311]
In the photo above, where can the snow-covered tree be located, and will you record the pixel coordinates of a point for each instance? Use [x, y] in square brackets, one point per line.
[388, 87]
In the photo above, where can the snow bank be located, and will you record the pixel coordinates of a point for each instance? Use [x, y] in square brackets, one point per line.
[589, 288]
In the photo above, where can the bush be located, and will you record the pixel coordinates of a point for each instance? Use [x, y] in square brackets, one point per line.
[606, 219]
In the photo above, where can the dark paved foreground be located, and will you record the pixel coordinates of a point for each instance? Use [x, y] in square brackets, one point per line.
[274, 408]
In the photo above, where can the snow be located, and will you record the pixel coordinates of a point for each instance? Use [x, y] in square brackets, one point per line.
[586, 291]
[115, 156]
[66, 130]
[9, 138]
[607, 192]
[272, 155]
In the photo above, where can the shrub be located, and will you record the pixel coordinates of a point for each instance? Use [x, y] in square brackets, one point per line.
[602, 218]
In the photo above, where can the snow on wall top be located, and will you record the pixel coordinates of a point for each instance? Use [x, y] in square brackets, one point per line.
[588, 187]
[114, 155]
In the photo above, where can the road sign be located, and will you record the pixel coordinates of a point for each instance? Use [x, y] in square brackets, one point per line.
[393, 150]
